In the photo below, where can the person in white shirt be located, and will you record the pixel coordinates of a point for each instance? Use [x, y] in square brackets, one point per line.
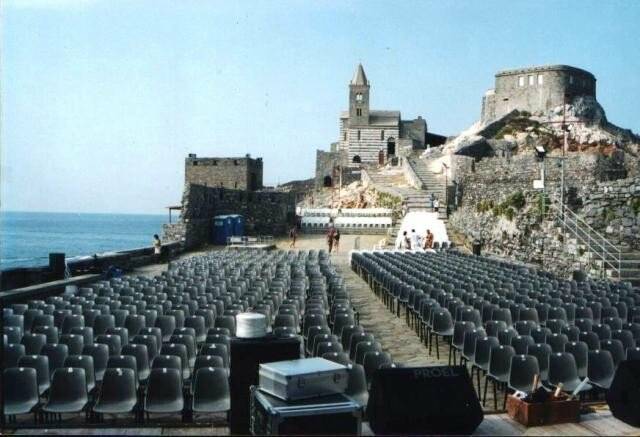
[415, 240]
[436, 205]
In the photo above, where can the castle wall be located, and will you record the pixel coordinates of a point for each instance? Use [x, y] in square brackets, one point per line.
[235, 173]
[265, 213]
[536, 90]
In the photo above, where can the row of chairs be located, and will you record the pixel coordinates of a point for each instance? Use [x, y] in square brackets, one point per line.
[483, 313]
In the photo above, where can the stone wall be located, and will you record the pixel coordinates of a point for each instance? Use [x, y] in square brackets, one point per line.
[265, 213]
[491, 186]
[235, 173]
[614, 207]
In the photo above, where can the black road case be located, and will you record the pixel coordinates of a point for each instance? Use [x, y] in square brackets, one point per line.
[329, 415]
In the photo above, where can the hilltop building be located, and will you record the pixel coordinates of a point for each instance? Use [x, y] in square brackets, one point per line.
[536, 90]
[369, 136]
[234, 173]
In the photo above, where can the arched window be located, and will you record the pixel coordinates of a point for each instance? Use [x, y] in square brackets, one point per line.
[327, 182]
[382, 134]
[356, 159]
[358, 134]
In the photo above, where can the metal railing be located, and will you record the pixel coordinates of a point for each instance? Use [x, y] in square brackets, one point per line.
[598, 246]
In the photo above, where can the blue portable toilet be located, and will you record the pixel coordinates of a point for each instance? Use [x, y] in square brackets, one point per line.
[222, 228]
[238, 225]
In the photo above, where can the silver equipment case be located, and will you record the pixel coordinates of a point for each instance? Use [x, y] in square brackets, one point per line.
[303, 379]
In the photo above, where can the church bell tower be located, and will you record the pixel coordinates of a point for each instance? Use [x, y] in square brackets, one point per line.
[359, 99]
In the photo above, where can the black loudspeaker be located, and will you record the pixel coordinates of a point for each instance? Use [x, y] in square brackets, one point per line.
[246, 357]
[623, 396]
[423, 400]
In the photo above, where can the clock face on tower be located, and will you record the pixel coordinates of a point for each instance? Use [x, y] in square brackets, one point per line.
[359, 97]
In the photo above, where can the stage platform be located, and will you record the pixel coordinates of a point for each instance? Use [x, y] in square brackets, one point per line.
[257, 246]
[601, 422]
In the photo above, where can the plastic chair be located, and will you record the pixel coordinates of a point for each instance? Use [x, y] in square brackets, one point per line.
[75, 343]
[498, 373]
[12, 354]
[208, 361]
[228, 322]
[219, 350]
[68, 391]
[149, 341]
[615, 348]
[139, 352]
[41, 365]
[211, 391]
[557, 342]
[164, 392]
[113, 342]
[134, 323]
[601, 368]
[563, 369]
[167, 361]
[33, 343]
[56, 353]
[118, 394]
[520, 343]
[542, 352]
[365, 347]
[373, 361]
[357, 385]
[442, 327]
[523, 369]
[84, 362]
[337, 357]
[100, 355]
[580, 352]
[20, 390]
[591, 339]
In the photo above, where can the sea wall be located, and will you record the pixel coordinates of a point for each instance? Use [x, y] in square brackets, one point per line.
[265, 213]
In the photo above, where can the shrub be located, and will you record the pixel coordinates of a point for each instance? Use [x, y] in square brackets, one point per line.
[509, 213]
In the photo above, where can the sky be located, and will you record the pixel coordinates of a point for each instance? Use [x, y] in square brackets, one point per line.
[103, 100]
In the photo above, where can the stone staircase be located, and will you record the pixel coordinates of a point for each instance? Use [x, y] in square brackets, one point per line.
[431, 182]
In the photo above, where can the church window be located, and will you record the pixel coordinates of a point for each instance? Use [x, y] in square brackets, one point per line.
[531, 80]
[359, 97]
[540, 79]
[521, 81]
[359, 112]
[382, 134]
[344, 136]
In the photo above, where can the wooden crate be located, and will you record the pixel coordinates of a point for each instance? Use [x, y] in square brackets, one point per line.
[547, 413]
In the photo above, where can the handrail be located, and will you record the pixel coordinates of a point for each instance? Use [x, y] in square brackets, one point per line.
[605, 250]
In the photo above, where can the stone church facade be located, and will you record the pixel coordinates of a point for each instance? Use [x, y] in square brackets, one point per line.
[368, 136]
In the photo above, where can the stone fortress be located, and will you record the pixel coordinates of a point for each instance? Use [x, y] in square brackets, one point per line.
[536, 90]
[237, 173]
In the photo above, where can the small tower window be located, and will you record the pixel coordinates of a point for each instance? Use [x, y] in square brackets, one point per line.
[358, 134]
[359, 112]
[382, 134]
[521, 81]
[359, 97]
[531, 82]
[540, 79]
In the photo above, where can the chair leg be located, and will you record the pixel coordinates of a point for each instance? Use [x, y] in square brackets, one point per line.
[504, 402]
[486, 383]
[495, 394]
[437, 347]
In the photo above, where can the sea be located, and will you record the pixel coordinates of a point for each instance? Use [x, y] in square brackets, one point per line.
[27, 238]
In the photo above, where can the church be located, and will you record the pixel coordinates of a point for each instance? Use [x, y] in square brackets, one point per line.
[369, 136]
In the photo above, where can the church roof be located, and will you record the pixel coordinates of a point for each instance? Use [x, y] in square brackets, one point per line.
[379, 118]
[359, 78]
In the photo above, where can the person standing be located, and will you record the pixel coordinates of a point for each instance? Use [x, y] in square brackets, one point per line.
[415, 240]
[436, 205]
[428, 240]
[407, 240]
[293, 234]
[157, 245]
[330, 235]
[336, 240]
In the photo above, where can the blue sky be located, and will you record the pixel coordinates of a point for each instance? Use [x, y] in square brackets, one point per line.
[102, 100]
